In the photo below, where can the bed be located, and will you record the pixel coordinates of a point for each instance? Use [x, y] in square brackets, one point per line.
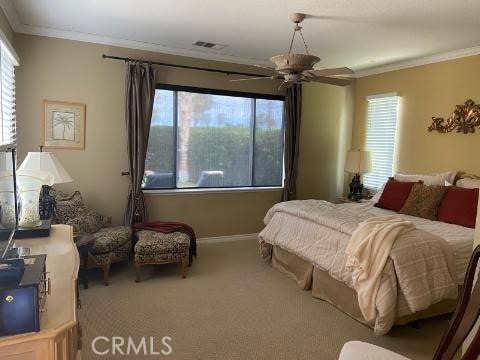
[307, 239]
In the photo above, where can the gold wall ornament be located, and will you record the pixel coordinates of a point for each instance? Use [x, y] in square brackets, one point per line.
[465, 118]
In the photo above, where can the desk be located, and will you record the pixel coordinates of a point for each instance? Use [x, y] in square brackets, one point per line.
[57, 338]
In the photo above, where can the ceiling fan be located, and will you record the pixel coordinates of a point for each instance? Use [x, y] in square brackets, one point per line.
[296, 68]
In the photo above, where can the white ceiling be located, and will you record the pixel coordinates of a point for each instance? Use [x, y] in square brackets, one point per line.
[361, 34]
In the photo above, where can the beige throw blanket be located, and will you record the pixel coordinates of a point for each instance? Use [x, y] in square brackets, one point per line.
[367, 252]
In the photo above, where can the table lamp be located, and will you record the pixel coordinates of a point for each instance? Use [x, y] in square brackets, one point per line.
[357, 162]
[46, 161]
[29, 185]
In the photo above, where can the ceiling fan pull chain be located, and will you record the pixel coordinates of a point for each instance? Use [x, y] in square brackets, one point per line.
[304, 43]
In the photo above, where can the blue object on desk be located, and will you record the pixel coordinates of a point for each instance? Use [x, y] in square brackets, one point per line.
[11, 271]
[20, 302]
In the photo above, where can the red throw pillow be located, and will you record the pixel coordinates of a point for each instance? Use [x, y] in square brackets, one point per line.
[394, 195]
[459, 206]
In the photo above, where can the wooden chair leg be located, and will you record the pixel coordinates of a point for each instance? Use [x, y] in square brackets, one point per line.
[137, 272]
[106, 274]
[184, 267]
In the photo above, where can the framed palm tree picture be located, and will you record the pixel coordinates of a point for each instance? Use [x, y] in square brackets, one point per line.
[64, 125]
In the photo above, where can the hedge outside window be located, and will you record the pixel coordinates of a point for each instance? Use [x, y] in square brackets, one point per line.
[203, 138]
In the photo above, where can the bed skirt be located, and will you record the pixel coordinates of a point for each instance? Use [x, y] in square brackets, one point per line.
[338, 294]
[293, 266]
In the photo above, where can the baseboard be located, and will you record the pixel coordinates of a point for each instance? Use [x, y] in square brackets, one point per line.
[228, 238]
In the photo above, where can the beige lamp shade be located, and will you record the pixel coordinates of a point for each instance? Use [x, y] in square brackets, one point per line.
[358, 162]
[46, 161]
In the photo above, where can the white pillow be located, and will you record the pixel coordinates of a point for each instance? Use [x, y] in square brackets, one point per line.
[469, 183]
[378, 194]
[446, 179]
[432, 179]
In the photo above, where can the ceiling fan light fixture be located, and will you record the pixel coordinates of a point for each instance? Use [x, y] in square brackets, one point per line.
[297, 68]
[293, 78]
[294, 63]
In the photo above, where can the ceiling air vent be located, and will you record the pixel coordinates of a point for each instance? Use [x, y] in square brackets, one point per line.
[209, 45]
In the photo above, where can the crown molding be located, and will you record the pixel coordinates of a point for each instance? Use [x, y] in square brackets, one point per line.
[138, 45]
[431, 59]
[12, 16]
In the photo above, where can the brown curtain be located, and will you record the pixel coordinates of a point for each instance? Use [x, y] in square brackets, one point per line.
[140, 92]
[293, 110]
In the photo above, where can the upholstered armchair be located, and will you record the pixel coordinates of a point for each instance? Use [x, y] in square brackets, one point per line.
[111, 243]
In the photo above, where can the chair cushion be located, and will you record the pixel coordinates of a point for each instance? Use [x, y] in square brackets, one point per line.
[159, 258]
[110, 239]
[154, 243]
[119, 254]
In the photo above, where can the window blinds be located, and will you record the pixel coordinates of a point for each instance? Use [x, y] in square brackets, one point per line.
[381, 128]
[7, 97]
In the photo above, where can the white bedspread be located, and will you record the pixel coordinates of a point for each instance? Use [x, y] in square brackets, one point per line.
[319, 232]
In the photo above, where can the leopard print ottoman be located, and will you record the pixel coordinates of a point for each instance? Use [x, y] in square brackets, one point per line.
[157, 248]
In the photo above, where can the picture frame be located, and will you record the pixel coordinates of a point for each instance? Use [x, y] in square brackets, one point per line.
[64, 125]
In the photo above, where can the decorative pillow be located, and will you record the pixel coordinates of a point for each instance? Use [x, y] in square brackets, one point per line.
[459, 206]
[60, 195]
[431, 179]
[85, 224]
[469, 183]
[67, 208]
[424, 201]
[378, 194]
[394, 195]
[99, 219]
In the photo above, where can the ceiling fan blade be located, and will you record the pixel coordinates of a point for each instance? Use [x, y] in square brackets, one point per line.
[330, 80]
[266, 67]
[282, 85]
[255, 78]
[329, 72]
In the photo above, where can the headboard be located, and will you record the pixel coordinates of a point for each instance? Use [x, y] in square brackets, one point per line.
[464, 175]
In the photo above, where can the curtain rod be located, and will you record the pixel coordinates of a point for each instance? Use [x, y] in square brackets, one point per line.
[182, 66]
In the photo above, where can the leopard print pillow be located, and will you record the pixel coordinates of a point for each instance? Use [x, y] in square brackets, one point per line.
[424, 201]
[67, 208]
[85, 224]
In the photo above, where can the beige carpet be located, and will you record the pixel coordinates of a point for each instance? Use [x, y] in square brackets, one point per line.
[233, 305]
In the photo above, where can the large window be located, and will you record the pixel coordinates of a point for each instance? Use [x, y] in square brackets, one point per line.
[201, 138]
[7, 96]
[381, 129]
